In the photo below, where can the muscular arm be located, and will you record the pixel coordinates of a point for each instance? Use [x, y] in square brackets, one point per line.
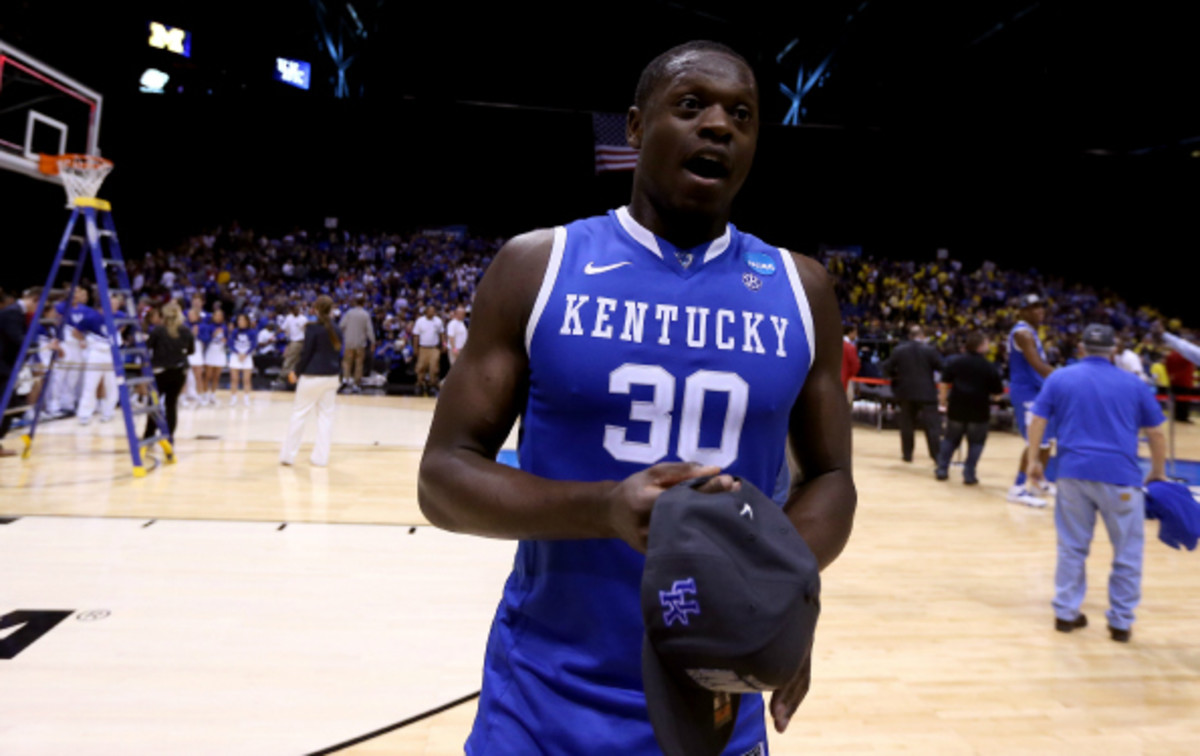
[1029, 349]
[823, 498]
[461, 487]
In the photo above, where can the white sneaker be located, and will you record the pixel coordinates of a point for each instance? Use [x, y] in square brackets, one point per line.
[246, 400]
[233, 401]
[1022, 495]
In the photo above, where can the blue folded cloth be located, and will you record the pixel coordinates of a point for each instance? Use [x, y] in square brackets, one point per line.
[1177, 511]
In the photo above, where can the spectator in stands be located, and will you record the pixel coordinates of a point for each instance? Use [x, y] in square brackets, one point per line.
[359, 332]
[428, 331]
[1182, 375]
[850, 359]
[13, 319]
[293, 327]
[911, 367]
[971, 383]
[456, 333]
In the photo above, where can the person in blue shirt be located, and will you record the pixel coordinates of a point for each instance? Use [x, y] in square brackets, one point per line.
[1099, 410]
[640, 348]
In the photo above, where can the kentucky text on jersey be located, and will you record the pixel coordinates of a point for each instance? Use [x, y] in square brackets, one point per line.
[696, 328]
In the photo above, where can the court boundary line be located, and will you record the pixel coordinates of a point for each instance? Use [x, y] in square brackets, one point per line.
[397, 725]
[12, 517]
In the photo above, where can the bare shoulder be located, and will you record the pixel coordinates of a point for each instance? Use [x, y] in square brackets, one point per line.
[516, 272]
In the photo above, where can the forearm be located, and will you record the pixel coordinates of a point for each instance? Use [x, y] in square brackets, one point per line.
[1190, 351]
[822, 509]
[1158, 453]
[1037, 428]
[463, 490]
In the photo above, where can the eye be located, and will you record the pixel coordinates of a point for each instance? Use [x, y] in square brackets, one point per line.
[742, 113]
[689, 102]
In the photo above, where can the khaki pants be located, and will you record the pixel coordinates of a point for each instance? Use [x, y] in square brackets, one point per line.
[428, 360]
[352, 364]
[291, 356]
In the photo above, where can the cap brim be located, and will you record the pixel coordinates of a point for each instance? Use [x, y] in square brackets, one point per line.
[683, 715]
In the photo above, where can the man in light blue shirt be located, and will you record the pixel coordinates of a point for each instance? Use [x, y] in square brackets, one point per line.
[1099, 410]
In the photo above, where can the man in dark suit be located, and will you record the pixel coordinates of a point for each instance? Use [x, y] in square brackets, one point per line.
[911, 367]
[12, 333]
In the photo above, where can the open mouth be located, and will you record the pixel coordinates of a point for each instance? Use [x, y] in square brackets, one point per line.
[706, 167]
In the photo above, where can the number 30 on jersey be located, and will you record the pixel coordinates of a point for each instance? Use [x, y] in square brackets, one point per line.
[657, 412]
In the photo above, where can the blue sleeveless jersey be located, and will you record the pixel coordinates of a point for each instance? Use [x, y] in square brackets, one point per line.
[1023, 380]
[634, 359]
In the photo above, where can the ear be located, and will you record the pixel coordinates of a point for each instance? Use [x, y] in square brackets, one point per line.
[633, 128]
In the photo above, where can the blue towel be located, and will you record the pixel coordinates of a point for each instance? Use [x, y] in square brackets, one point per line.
[1173, 505]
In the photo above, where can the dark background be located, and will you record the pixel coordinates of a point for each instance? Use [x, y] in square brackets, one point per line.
[1034, 134]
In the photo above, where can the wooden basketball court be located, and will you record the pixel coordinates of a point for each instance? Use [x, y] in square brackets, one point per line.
[226, 604]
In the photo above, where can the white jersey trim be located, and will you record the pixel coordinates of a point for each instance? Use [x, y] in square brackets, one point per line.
[646, 238]
[548, 280]
[719, 245]
[801, 303]
[640, 233]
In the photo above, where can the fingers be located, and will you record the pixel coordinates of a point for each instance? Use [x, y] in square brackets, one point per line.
[668, 474]
[787, 699]
[720, 484]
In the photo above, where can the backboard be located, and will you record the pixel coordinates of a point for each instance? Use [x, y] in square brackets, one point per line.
[43, 111]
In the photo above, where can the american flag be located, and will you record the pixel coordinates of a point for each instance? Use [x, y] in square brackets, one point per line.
[613, 153]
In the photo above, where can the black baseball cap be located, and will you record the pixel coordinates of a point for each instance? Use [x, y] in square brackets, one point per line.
[730, 597]
[1099, 335]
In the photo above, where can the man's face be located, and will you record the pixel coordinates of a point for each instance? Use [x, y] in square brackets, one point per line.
[698, 133]
[1035, 315]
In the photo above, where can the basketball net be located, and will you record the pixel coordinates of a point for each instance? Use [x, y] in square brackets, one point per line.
[81, 175]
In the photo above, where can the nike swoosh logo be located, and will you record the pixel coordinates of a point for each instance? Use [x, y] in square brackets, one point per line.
[592, 270]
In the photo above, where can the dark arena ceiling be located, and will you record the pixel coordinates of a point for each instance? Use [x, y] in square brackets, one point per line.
[1071, 78]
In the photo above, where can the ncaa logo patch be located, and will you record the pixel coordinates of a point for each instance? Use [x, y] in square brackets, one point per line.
[761, 264]
[753, 282]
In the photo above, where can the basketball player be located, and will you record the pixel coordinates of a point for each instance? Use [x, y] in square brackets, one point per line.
[1027, 370]
[640, 348]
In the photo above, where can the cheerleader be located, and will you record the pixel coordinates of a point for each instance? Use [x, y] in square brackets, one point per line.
[98, 360]
[68, 375]
[215, 354]
[194, 392]
[242, 343]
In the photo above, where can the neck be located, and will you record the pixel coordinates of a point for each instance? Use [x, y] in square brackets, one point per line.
[682, 228]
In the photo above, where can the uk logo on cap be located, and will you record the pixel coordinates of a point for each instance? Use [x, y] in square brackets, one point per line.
[676, 602]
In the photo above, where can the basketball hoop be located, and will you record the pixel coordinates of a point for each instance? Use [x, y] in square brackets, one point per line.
[81, 175]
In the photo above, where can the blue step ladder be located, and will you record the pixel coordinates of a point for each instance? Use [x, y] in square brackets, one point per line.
[131, 364]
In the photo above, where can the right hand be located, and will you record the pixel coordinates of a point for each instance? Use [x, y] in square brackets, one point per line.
[1034, 471]
[632, 500]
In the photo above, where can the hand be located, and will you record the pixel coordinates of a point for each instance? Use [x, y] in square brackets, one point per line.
[1034, 471]
[786, 700]
[633, 498]
[292, 377]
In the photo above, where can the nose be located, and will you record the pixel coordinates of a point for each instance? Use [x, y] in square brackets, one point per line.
[716, 124]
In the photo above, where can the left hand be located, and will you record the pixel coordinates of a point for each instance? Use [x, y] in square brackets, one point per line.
[786, 700]
[292, 377]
